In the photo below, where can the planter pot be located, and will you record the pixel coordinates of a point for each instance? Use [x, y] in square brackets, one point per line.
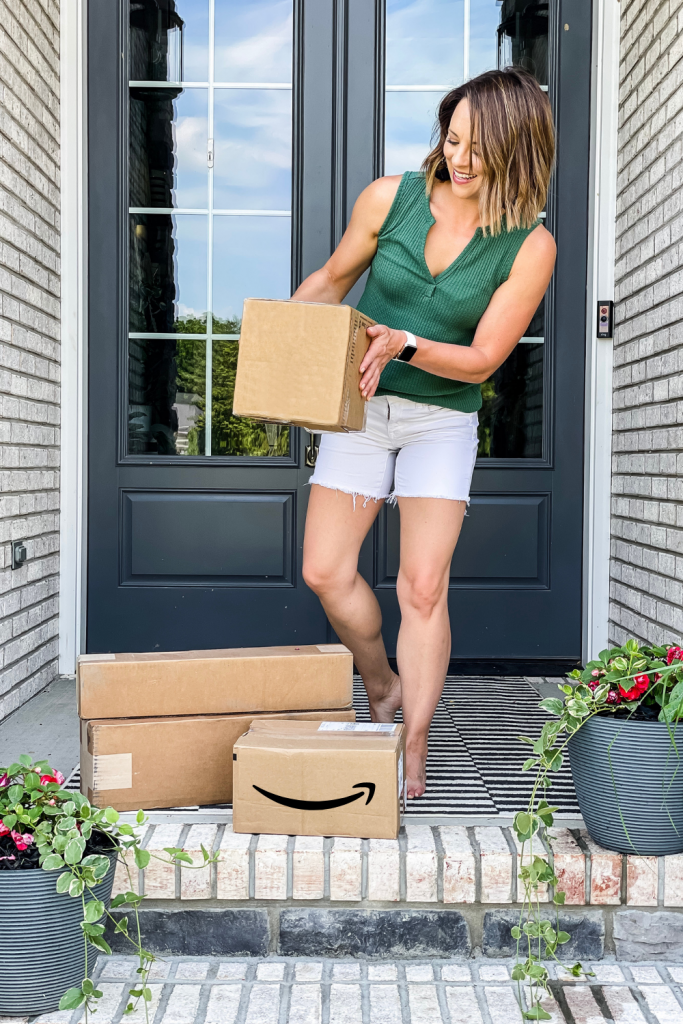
[41, 943]
[644, 783]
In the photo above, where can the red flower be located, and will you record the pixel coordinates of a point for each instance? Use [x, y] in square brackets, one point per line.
[55, 777]
[4, 831]
[4, 779]
[613, 698]
[22, 840]
[674, 654]
[640, 685]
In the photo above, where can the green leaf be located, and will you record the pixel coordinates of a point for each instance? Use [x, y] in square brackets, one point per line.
[140, 817]
[553, 705]
[15, 793]
[76, 888]
[536, 1013]
[31, 781]
[141, 857]
[111, 815]
[559, 898]
[71, 999]
[122, 925]
[52, 862]
[9, 821]
[67, 823]
[522, 822]
[64, 881]
[528, 764]
[563, 937]
[87, 986]
[516, 933]
[126, 829]
[118, 901]
[94, 911]
[147, 994]
[99, 943]
[25, 760]
[518, 972]
[74, 850]
[59, 843]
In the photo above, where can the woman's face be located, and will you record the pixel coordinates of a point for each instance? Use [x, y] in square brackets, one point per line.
[465, 180]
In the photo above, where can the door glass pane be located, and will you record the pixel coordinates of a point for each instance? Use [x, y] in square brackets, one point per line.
[203, 159]
[253, 41]
[253, 149]
[169, 40]
[166, 396]
[251, 260]
[167, 271]
[441, 43]
[168, 147]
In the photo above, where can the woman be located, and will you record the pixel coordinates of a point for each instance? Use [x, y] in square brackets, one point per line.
[459, 264]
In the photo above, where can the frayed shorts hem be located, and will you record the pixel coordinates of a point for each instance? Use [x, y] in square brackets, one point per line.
[390, 499]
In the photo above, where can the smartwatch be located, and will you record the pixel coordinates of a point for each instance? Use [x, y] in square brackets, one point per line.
[408, 350]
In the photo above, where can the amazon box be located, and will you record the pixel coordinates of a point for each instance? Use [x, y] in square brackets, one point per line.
[319, 779]
[299, 362]
[245, 680]
[168, 762]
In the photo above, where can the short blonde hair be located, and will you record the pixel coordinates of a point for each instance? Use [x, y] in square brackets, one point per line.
[513, 126]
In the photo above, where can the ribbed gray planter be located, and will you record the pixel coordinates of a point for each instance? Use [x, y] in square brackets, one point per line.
[645, 782]
[41, 942]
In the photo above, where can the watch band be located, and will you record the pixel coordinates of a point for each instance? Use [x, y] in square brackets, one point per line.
[408, 350]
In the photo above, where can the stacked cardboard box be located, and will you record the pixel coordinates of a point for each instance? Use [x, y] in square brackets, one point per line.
[158, 730]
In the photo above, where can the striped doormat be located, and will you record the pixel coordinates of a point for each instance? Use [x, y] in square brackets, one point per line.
[475, 760]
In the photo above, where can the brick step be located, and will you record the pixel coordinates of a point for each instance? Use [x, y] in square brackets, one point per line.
[440, 890]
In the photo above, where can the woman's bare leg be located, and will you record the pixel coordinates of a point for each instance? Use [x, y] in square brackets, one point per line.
[429, 532]
[335, 531]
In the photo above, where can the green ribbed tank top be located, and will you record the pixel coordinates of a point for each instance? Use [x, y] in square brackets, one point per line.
[402, 294]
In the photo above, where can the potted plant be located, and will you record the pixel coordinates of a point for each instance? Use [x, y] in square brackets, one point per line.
[618, 720]
[57, 859]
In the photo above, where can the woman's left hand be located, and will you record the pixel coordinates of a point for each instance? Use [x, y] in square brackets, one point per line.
[386, 344]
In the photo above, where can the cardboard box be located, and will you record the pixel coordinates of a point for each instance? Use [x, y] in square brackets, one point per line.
[298, 362]
[242, 680]
[319, 779]
[167, 762]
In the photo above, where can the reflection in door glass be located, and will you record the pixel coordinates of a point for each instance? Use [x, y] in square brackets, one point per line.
[210, 205]
[432, 46]
[168, 142]
[253, 41]
[169, 40]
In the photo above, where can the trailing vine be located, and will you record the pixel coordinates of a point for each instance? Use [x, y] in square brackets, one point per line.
[621, 681]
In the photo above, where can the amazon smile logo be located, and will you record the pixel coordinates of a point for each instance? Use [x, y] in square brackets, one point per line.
[320, 805]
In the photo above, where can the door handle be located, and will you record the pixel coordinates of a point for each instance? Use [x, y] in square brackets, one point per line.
[312, 450]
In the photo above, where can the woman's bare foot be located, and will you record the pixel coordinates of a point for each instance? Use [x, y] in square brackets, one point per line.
[384, 708]
[416, 776]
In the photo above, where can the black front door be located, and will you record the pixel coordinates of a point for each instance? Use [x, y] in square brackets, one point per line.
[228, 140]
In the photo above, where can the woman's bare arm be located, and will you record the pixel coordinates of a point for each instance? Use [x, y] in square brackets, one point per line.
[357, 248]
[507, 316]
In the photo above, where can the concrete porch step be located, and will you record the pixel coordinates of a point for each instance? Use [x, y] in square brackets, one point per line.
[439, 890]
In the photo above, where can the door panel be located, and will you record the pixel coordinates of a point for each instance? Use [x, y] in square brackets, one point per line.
[503, 542]
[219, 539]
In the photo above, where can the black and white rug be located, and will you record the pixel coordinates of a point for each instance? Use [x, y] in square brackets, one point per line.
[475, 760]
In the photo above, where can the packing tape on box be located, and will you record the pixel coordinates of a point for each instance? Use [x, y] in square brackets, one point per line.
[96, 657]
[112, 771]
[333, 649]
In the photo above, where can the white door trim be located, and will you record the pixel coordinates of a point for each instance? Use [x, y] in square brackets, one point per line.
[73, 522]
[600, 285]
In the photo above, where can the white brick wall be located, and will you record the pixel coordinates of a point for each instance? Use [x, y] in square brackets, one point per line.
[29, 345]
[647, 465]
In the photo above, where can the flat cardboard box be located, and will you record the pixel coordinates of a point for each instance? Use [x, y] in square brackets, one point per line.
[237, 681]
[312, 779]
[167, 762]
[298, 362]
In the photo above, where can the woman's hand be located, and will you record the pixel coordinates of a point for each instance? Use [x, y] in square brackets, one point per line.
[386, 344]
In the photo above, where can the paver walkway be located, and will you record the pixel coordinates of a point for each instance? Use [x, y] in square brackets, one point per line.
[296, 991]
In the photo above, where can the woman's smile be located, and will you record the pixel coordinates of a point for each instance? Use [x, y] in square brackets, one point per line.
[462, 179]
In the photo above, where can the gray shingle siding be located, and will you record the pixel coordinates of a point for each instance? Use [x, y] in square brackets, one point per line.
[647, 461]
[29, 345]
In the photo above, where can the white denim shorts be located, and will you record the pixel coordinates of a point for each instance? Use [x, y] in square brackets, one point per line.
[407, 450]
